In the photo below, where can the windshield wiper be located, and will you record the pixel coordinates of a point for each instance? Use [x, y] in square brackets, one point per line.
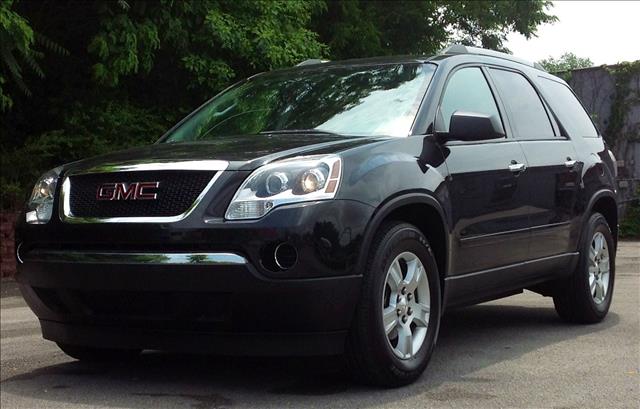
[314, 131]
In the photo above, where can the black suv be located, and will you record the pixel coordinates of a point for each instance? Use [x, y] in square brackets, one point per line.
[334, 207]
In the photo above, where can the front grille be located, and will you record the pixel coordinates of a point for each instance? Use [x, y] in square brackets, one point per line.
[176, 192]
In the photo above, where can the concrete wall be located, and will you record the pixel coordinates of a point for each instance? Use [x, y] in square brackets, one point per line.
[596, 89]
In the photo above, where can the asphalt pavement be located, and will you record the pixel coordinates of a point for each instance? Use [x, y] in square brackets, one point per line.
[513, 352]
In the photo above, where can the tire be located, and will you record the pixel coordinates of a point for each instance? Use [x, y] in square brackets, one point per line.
[580, 299]
[89, 354]
[372, 355]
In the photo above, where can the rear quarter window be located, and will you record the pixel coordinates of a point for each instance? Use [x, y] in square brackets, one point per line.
[527, 114]
[568, 109]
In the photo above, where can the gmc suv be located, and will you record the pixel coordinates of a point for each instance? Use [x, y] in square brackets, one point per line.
[330, 208]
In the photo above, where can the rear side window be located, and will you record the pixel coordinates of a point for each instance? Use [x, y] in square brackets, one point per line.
[526, 111]
[570, 113]
[467, 91]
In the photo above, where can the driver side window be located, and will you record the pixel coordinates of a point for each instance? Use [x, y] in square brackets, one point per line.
[467, 91]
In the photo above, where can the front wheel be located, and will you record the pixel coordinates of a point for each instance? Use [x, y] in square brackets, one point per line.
[398, 316]
[586, 296]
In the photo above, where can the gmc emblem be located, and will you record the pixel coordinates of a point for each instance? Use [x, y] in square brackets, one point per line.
[127, 191]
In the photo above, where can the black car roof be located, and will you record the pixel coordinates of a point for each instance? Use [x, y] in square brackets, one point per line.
[454, 54]
[449, 52]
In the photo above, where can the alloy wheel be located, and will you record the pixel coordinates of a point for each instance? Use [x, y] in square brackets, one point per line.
[406, 305]
[599, 268]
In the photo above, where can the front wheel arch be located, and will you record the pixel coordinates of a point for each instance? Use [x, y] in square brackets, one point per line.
[369, 352]
[423, 211]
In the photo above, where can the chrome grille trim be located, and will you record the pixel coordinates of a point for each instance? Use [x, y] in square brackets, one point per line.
[65, 191]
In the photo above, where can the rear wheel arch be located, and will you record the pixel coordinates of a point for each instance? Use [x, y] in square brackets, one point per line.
[585, 296]
[420, 210]
[604, 202]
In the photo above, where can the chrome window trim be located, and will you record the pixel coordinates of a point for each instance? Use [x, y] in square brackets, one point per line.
[65, 207]
[134, 258]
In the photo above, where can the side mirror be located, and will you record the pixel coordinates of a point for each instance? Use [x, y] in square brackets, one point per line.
[472, 126]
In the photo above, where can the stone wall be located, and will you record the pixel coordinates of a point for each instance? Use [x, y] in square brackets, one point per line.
[7, 252]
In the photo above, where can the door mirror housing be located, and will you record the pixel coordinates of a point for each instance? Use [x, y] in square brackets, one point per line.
[472, 126]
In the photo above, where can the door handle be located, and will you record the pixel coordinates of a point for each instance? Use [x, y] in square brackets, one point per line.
[517, 167]
[570, 163]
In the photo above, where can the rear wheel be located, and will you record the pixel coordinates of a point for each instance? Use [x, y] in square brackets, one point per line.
[398, 316]
[586, 296]
[90, 354]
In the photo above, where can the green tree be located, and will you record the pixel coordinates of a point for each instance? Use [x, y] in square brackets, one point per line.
[211, 42]
[361, 28]
[566, 62]
[18, 48]
[16, 42]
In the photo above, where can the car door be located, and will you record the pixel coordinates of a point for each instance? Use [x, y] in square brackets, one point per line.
[489, 219]
[553, 173]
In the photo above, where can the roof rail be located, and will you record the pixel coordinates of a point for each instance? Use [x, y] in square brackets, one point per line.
[463, 49]
[311, 61]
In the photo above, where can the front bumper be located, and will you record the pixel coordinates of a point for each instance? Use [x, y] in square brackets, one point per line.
[214, 302]
[198, 284]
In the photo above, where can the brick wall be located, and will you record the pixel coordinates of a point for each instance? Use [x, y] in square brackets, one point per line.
[7, 253]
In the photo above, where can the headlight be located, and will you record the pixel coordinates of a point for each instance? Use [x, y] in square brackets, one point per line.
[40, 204]
[288, 181]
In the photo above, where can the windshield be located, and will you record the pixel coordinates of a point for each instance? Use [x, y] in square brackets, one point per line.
[355, 101]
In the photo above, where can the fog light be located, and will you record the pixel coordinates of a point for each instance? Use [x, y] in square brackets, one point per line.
[285, 256]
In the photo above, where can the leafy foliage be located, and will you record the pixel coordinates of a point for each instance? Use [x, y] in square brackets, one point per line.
[16, 37]
[566, 62]
[630, 225]
[625, 97]
[17, 49]
[212, 42]
[360, 28]
[82, 78]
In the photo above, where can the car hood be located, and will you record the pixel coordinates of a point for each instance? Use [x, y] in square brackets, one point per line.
[242, 152]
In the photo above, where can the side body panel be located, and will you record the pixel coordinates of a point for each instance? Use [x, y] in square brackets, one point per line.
[487, 203]
[559, 198]
[597, 180]
[552, 181]
[596, 170]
